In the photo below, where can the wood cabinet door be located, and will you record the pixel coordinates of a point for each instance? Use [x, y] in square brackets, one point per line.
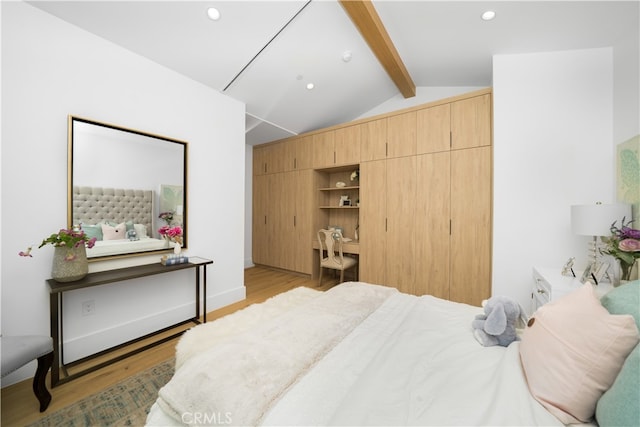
[303, 221]
[288, 153]
[347, 145]
[266, 220]
[323, 149]
[401, 135]
[259, 160]
[401, 207]
[433, 129]
[372, 234]
[470, 225]
[432, 224]
[373, 145]
[303, 153]
[471, 122]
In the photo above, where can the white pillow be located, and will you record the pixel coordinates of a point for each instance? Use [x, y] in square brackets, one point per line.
[141, 230]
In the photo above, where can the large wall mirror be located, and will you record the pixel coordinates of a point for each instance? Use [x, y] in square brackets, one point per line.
[127, 188]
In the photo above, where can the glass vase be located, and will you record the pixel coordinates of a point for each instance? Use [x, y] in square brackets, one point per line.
[69, 264]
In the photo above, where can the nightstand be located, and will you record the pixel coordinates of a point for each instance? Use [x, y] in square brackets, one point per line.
[549, 285]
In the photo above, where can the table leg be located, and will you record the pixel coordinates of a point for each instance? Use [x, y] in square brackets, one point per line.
[55, 335]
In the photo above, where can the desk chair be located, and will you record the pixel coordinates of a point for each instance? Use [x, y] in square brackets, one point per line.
[332, 241]
[17, 351]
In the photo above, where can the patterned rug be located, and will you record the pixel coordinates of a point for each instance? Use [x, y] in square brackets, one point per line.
[126, 403]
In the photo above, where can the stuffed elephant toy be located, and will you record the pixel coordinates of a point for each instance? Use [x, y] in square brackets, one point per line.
[497, 326]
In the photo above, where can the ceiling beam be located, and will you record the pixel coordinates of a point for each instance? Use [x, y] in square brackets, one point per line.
[366, 19]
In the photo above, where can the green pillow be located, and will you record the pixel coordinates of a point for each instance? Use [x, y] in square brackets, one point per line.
[92, 231]
[618, 406]
[625, 299]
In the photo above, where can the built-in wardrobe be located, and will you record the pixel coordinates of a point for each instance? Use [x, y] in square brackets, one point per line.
[421, 205]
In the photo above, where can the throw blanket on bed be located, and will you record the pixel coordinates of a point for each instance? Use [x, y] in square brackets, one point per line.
[240, 380]
[205, 336]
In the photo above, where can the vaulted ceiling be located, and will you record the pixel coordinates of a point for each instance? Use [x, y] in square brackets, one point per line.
[265, 53]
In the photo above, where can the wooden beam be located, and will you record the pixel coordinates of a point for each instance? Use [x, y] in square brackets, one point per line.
[366, 19]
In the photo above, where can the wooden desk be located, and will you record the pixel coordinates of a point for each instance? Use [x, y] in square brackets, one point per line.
[57, 289]
[352, 248]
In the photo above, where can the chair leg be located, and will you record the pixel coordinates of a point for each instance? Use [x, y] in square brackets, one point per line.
[341, 276]
[320, 278]
[39, 385]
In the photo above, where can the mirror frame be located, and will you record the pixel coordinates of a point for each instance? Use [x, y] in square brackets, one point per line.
[70, 180]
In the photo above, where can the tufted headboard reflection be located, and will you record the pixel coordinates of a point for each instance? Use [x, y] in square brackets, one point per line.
[94, 204]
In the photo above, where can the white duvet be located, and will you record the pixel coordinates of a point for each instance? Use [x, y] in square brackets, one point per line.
[120, 246]
[405, 361]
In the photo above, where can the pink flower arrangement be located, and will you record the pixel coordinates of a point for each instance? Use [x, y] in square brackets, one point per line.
[171, 233]
[624, 245]
[71, 238]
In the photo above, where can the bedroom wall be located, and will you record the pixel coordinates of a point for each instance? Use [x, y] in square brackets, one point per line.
[553, 148]
[51, 69]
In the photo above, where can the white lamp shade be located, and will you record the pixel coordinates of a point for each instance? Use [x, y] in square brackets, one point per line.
[596, 220]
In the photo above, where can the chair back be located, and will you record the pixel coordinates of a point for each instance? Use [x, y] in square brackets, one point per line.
[332, 241]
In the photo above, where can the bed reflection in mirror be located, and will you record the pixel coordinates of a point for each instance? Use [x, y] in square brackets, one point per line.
[124, 185]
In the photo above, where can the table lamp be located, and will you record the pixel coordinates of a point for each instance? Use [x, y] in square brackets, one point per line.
[595, 220]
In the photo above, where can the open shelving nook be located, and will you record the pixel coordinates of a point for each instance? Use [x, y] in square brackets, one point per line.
[330, 213]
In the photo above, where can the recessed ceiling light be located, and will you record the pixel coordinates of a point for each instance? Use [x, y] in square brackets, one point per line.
[310, 86]
[213, 13]
[488, 15]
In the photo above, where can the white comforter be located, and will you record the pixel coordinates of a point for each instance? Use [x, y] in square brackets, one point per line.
[394, 360]
[120, 246]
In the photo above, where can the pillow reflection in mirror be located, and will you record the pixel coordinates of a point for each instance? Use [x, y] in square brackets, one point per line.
[114, 233]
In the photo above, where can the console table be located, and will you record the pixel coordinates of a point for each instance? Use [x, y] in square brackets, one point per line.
[57, 290]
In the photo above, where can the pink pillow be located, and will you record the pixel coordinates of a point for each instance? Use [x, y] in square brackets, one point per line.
[114, 233]
[572, 351]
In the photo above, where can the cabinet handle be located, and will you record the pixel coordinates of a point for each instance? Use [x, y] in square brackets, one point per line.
[541, 291]
[265, 220]
[334, 157]
[450, 139]
[295, 163]
[386, 149]
[385, 224]
[294, 220]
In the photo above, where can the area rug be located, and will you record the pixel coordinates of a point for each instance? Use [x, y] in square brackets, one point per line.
[126, 403]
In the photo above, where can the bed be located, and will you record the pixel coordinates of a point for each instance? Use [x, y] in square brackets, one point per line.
[363, 354]
[110, 213]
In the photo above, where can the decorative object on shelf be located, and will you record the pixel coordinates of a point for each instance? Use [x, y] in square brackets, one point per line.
[177, 248]
[344, 201]
[624, 246]
[594, 220]
[355, 175]
[70, 254]
[174, 259]
[171, 234]
[340, 184]
[69, 264]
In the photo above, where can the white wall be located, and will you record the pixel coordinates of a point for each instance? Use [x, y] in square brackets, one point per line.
[51, 69]
[553, 148]
[626, 86]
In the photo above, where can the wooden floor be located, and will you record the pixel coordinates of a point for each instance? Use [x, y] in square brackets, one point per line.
[20, 406]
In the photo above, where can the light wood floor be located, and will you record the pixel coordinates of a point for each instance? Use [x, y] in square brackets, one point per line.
[20, 406]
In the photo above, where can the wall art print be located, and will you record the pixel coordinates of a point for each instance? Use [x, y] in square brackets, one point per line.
[628, 179]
